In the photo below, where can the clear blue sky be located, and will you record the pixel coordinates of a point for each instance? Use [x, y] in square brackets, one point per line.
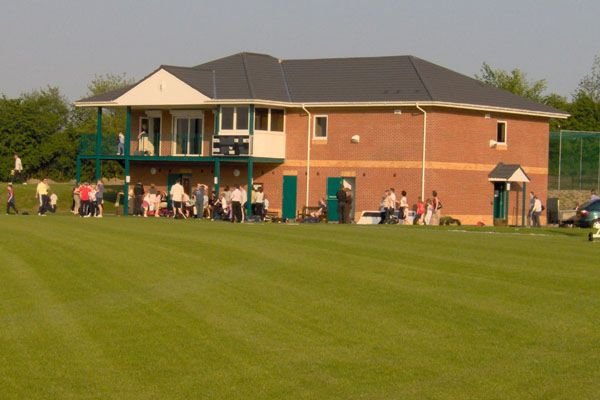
[66, 43]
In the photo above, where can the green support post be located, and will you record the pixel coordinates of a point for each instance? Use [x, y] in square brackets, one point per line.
[217, 179]
[250, 159]
[250, 182]
[127, 155]
[523, 194]
[98, 167]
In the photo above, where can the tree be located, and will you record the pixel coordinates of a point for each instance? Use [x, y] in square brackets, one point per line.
[514, 81]
[590, 84]
[28, 126]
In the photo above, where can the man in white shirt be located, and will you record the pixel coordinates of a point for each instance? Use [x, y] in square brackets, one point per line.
[537, 210]
[177, 198]
[18, 171]
[236, 204]
[258, 203]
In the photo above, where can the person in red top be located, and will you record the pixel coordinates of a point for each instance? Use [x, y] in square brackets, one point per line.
[84, 195]
[420, 211]
[10, 202]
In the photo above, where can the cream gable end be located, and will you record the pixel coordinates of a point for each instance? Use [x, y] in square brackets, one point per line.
[161, 88]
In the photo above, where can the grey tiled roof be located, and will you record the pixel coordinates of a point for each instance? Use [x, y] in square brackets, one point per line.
[341, 80]
[505, 171]
[108, 96]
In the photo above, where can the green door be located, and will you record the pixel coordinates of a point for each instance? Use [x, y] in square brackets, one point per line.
[500, 204]
[288, 208]
[333, 185]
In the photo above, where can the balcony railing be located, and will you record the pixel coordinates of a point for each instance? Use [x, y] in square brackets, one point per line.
[261, 144]
[87, 145]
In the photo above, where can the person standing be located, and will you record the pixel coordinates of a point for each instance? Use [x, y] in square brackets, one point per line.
[530, 210]
[138, 192]
[10, 202]
[199, 194]
[394, 200]
[143, 140]
[420, 212]
[537, 210]
[18, 171]
[428, 211]
[437, 206]
[244, 202]
[341, 204]
[121, 144]
[84, 197]
[403, 208]
[41, 193]
[76, 200]
[388, 207]
[259, 203]
[348, 209]
[100, 199]
[177, 198]
[236, 204]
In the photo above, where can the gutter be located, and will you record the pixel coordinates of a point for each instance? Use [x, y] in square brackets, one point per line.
[307, 155]
[424, 150]
[462, 106]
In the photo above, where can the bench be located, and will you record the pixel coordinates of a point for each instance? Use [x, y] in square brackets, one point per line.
[307, 211]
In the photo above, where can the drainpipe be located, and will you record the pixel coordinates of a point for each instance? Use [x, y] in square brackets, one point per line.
[424, 147]
[307, 155]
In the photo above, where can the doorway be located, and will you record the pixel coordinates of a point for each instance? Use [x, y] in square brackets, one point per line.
[500, 203]
[333, 185]
[290, 190]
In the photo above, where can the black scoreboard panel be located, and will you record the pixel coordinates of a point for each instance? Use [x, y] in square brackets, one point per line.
[231, 145]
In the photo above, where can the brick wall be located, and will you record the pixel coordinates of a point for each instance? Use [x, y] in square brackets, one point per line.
[458, 157]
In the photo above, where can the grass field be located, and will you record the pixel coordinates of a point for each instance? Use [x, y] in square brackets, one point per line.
[132, 308]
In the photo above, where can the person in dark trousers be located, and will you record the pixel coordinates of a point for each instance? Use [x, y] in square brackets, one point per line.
[138, 192]
[348, 210]
[10, 202]
[341, 206]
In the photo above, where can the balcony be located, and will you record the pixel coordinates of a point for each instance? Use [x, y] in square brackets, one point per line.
[267, 145]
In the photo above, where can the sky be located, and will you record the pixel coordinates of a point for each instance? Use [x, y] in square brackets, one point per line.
[67, 44]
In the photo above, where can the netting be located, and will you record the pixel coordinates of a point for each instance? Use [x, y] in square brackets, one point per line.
[574, 160]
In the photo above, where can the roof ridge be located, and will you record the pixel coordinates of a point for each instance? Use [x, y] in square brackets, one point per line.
[410, 58]
[285, 81]
[246, 73]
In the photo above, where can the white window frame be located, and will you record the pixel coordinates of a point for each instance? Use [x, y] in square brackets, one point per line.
[187, 114]
[235, 131]
[314, 135]
[498, 123]
[269, 120]
[150, 116]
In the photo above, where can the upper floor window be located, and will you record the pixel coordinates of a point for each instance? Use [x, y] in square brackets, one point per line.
[268, 119]
[187, 132]
[234, 118]
[320, 127]
[501, 132]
